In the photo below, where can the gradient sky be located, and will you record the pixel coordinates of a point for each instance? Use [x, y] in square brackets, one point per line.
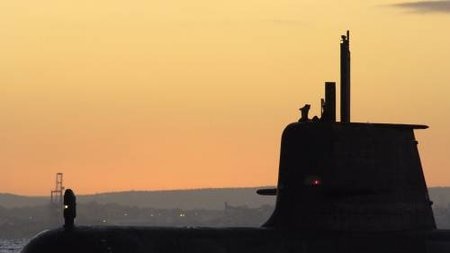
[174, 94]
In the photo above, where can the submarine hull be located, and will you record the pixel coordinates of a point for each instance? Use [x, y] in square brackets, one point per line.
[157, 239]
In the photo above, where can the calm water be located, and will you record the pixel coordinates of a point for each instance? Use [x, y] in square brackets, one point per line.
[12, 246]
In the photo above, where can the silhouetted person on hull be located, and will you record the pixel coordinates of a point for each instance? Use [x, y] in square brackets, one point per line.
[70, 209]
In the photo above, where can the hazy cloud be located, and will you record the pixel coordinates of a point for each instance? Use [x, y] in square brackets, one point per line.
[442, 6]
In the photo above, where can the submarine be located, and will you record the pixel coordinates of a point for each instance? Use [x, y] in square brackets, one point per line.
[343, 187]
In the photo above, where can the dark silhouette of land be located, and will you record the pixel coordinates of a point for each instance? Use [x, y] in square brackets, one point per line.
[24, 222]
[21, 220]
[212, 199]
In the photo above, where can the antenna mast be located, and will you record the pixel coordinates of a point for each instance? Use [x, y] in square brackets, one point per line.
[345, 78]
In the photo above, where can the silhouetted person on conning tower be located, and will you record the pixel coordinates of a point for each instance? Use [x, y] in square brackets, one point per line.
[70, 209]
[304, 110]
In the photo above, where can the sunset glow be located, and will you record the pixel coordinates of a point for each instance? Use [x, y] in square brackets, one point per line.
[146, 95]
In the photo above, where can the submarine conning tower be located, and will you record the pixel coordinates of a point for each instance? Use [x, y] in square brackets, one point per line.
[346, 176]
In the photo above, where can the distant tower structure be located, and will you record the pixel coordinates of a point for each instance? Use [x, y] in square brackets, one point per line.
[56, 195]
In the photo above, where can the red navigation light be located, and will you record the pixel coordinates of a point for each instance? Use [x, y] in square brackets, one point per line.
[315, 182]
[312, 181]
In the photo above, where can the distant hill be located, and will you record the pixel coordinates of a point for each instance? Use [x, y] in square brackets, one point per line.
[440, 196]
[11, 200]
[213, 199]
[185, 199]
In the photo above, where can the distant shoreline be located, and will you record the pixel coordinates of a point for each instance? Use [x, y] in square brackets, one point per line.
[206, 198]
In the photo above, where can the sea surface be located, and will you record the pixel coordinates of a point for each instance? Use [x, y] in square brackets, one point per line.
[12, 246]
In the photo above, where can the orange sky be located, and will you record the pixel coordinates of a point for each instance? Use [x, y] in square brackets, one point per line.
[170, 94]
